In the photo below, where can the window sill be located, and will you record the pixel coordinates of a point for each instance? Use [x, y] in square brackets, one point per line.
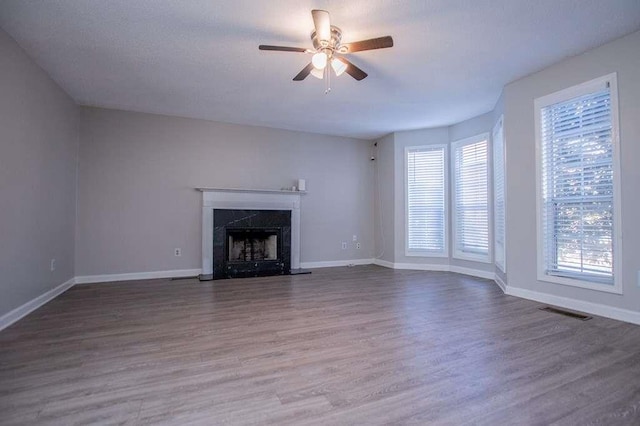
[480, 258]
[616, 288]
[414, 253]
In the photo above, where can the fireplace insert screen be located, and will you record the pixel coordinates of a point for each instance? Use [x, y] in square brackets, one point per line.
[246, 245]
[251, 243]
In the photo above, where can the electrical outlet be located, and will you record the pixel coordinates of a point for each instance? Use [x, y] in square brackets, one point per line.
[355, 238]
[344, 245]
[358, 246]
[52, 265]
[177, 252]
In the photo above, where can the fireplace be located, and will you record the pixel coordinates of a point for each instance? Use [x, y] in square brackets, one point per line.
[245, 203]
[251, 243]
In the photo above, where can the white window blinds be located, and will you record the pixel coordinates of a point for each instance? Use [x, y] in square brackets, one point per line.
[498, 195]
[471, 214]
[578, 187]
[426, 200]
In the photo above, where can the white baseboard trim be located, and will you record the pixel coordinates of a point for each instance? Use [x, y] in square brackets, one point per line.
[412, 266]
[577, 305]
[384, 263]
[421, 267]
[334, 263]
[435, 267]
[90, 279]
[473, 272]
[501, 284]
[563, 302]
[21, 311]
[441, 268]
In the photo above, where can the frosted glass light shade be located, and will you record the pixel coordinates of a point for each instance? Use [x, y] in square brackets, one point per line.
[319, 60]
[317, 73]
[338, 66]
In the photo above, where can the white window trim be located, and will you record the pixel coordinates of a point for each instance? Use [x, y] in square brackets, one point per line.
[501, 265]
[425, 253]
[560, 96]
[457, 254]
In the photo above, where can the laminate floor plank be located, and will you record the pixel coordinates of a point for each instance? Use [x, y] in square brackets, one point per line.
[360, 345]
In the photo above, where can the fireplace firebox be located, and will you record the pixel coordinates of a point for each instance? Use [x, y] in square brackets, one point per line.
[251, 243]
[246, 245]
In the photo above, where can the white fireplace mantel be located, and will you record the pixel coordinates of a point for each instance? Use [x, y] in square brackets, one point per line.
[247, 199]
[253, 191]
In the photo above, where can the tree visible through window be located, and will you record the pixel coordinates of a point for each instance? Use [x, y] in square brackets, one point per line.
[577, 171]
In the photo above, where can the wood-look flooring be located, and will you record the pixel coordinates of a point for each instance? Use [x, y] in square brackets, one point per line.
[362, 345]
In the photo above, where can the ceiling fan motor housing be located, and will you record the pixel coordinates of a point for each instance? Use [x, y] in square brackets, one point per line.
[333, 44]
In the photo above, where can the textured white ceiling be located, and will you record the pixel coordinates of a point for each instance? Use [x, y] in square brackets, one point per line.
[200, 58]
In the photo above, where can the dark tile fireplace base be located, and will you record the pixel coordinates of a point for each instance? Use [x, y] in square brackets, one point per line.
[251, 243]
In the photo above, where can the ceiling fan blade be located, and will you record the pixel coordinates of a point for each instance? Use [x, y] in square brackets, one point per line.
[322, 23]
[304, 73]
[374, 43]
[282, 48]
[353, 71]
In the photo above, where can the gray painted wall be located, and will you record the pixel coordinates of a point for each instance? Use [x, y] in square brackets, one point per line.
[472, 127]
[621, 56]
[385, 199]
[136, 198]
[38, 153]
[498, 109]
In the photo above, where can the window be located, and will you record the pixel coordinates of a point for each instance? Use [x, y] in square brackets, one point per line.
[426, 200]
[498, 196]
[471, 199]
[578, 214]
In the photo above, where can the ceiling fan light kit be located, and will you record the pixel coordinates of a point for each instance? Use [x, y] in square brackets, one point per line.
[319, 60]
[338, 66]
[328, 50]
[317, 73]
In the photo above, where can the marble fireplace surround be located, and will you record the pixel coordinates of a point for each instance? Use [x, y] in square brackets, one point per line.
[247, 199]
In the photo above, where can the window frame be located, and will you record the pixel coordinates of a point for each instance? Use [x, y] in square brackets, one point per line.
[425, 253]
[457, 253]
[499, 126]
[563, 96]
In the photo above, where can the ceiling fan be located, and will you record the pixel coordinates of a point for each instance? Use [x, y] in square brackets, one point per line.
[328, 50]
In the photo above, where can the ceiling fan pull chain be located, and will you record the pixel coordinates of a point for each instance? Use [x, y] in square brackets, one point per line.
[327, 80]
